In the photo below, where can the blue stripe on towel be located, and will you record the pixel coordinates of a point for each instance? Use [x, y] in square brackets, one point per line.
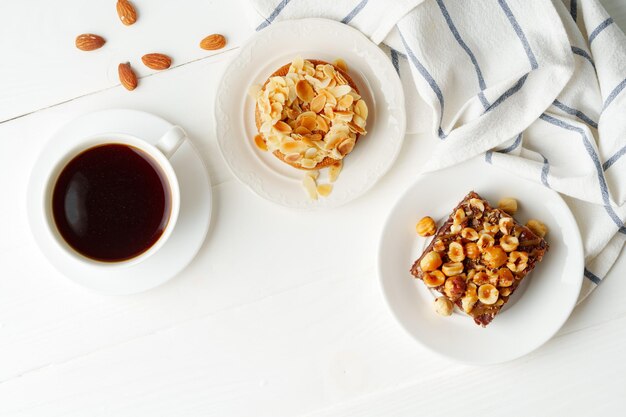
[400, 54]
[468, 51]
[614, 94]
[613, 159]
[520, 33]
[592, 277]
[573, 9]
[354, 11]
[508, 93]
[508, 149]
[582, 116]
[394, 60]
[604, 190]
[599, 29]
[584, 54]
[545, 170]
[514, 145]
[430, 80]
[274, 14]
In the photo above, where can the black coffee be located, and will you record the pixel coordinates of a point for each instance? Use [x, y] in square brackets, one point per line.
[111, 202]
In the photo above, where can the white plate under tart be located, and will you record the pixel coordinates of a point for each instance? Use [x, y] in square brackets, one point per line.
[276, 46]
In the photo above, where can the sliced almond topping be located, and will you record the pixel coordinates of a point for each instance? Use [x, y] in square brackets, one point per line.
[301, 130]
[321, 124]
[356, 129]
[304, 91]
[345, 102]
[318, 103]
[266, 127]
[331, 141]
[279, 98]
[310, 153]
[355, 95]
[340, 79]
[282, 127]
[341, 64]
[359, 121]
[260, 142]
[309, 114]
[297, 64]
[344, 115]
[329, 71]
[265, 105]
[277, 110]
[306, 114]
[289, 146]
[346, 146]
[331, 100]
[309, 123]
[340, 90]
[360, 108]
[308, 163]
[292, 157]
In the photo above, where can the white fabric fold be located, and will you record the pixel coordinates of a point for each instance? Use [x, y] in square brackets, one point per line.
[538, 87]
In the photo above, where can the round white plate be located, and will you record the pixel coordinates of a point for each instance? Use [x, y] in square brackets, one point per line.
[536, 310]
[327, 40]
[193, 219]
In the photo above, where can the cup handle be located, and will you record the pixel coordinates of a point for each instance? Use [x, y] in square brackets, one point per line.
[171, 141]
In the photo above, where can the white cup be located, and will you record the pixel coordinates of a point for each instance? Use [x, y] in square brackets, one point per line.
[159, 153]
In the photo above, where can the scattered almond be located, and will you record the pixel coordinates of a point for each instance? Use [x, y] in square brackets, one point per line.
[156, 61]
[127, 76]
[126, 12]
[310, 187]
[324, 189]
[89, 42]
[213, 42]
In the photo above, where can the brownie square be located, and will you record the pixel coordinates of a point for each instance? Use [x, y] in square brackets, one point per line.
[479, 257]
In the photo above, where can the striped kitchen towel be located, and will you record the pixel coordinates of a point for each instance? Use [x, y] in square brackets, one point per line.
[536, 86]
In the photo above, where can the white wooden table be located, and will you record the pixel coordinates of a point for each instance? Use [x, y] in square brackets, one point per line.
[238, 333]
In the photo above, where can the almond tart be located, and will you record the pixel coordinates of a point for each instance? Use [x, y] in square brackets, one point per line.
[309, 114]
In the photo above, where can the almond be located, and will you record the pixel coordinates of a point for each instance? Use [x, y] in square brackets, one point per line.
[127, 76]
[156, 61]
[89, 42]
[213, 42]
[126, 12]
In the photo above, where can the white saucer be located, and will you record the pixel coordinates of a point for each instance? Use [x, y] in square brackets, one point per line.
[535, 312]
[277, 45]
[191, 227]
